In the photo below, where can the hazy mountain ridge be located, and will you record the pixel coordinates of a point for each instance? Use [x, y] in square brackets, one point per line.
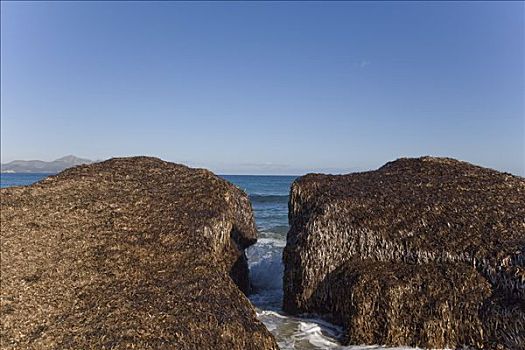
[40, 166]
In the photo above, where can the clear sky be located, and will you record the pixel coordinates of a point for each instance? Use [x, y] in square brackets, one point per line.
[261, 87]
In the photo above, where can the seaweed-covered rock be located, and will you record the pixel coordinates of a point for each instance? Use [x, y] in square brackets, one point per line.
[424, 252]
[433, 305]
[128, 253]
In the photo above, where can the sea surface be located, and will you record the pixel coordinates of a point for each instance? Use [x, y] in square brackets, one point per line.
[9, 180]
[269, 197]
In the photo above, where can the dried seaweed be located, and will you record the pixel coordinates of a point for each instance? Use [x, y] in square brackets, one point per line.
[411, 214]
[127, 253]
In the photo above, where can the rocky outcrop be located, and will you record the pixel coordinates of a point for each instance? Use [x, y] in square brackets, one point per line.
[426, 252]
[127, 253]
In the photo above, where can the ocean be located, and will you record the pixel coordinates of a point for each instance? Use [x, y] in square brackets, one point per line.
[269, 197]
[9, 180]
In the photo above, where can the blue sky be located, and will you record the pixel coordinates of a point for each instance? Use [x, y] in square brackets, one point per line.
[281, 88]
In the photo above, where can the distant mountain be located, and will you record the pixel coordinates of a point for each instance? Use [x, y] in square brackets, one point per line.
[39, 166]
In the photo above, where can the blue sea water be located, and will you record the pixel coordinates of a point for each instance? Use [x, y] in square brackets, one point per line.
[269, 197]
[9, 179]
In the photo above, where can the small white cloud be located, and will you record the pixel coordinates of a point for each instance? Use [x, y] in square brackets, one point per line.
[364, 63]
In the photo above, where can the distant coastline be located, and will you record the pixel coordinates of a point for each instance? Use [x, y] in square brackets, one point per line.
[42, 167]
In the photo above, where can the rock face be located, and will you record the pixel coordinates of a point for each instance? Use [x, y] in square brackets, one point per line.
[425, 252]
[128, 253]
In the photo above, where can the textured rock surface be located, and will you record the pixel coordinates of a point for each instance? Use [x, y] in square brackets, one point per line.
[127, 253]
[427, 252]
[432, 305]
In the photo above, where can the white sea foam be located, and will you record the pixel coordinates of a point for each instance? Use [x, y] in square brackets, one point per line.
[308, 333]
[273, 242]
